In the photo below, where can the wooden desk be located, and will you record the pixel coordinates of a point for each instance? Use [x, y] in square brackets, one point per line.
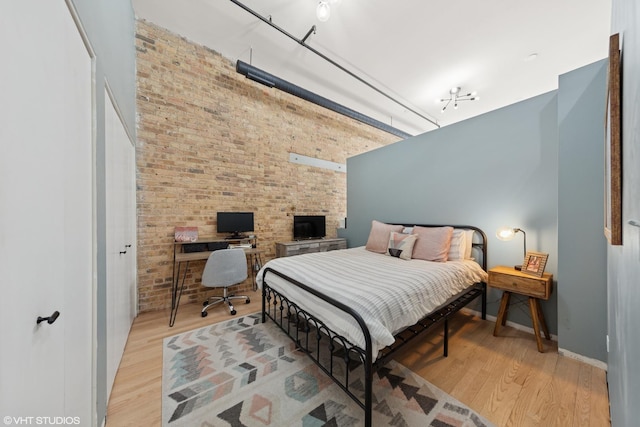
[254, 258]
[513, 281]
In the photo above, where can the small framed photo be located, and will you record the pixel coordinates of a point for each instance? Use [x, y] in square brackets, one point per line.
[186, 234]
[534, 263]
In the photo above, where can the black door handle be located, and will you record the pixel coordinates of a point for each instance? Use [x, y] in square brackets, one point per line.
[49, 319]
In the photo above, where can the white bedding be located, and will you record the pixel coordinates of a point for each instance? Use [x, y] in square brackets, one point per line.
[389, 293]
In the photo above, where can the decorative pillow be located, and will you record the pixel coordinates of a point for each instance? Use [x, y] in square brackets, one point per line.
[401, 245]
[379, 236]
[433, 243]
[458, 246]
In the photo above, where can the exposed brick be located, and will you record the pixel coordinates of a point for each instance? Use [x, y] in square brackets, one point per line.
[211, 140]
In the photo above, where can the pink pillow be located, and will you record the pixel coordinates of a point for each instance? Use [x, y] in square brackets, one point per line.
[379, 236]
[433, 243]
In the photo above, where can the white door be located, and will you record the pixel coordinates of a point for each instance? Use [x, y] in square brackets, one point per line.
[121, 237]
[46, 214]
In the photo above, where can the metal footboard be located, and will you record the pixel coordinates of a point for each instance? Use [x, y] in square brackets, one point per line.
[303, 328]
[339, 356]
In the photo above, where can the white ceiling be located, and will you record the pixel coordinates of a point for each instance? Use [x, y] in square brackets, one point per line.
[412, 50]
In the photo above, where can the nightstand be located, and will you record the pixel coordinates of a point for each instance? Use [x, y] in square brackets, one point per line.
[511, 281]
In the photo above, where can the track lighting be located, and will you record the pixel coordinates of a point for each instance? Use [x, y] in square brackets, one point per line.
[323, 11]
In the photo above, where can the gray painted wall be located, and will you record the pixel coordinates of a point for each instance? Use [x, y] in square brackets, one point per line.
[582, 252]
[502, 169]
[497, 169]
[624, 261]
[110, 28]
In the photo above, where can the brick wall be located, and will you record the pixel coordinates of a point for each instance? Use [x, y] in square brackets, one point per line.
[211, 140]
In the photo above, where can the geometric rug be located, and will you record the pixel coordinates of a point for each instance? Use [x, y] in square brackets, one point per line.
[242, 372]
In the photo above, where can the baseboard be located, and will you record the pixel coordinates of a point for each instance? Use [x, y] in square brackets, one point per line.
[589, 361]
[561, 351]
[509, 323]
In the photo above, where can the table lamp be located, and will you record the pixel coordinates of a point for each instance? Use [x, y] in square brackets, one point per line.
[508, 233]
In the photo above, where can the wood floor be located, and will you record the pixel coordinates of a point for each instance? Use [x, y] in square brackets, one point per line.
[503, 378]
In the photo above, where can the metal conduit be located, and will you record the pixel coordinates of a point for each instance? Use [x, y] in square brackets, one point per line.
[270, 80]
[331, 61]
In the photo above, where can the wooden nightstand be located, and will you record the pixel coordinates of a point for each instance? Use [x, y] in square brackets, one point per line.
[511, 281]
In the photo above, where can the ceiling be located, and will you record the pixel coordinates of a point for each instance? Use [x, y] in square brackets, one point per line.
[413, 51]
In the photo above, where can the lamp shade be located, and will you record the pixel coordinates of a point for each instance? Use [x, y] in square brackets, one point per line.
[506, 233]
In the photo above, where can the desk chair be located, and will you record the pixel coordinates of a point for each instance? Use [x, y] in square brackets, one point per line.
[224, 268]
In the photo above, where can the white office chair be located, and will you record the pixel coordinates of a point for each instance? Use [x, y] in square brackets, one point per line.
[224, 268]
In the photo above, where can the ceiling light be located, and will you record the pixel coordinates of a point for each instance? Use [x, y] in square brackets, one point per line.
[455, 98]
[323, 11]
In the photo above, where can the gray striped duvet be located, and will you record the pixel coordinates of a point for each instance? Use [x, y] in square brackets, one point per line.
[389, 293]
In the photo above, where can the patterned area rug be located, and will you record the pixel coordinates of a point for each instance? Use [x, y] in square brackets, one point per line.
[245, 373]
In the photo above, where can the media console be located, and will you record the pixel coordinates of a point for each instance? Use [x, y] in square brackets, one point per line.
[298, 247]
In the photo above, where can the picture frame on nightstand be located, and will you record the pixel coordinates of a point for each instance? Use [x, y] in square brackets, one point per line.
[534, 263]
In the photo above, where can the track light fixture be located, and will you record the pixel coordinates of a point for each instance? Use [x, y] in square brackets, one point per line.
[323, 11]
[455, 97]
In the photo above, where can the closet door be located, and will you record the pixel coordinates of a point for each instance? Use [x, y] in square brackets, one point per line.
[46, 213]
[121, 237]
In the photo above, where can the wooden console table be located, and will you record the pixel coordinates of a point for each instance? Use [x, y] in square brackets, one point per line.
[298, 247]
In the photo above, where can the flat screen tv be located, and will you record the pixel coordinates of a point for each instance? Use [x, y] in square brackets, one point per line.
[235, 223]
[309, 227]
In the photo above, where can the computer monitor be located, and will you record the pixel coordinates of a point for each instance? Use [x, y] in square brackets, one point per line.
[235, 223]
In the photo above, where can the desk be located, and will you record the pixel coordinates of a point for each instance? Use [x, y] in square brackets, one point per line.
[254, 260]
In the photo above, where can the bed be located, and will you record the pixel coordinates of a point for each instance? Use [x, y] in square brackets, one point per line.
[355, 308]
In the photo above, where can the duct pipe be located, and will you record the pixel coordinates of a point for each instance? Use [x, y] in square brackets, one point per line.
[331, 61]
[270, 80]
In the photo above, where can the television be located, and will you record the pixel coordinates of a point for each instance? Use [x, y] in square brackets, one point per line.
[235, 223]
[309, 227]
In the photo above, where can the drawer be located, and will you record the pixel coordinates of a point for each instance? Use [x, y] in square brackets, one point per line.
[284, 249]
[531, 286]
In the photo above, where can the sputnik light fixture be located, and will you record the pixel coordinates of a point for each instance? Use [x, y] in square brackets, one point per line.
[455, 97]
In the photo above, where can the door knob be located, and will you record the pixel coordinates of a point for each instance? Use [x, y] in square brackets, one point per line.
[49, 319]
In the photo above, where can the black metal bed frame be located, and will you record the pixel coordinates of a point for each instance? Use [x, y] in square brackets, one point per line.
[307, 331]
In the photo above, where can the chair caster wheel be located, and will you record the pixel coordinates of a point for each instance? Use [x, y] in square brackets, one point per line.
[233, 312]
[206, 303]
[247, 301]
[204, 314]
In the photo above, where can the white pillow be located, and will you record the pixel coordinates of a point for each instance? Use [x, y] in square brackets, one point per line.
[468, 244]
[458, 247]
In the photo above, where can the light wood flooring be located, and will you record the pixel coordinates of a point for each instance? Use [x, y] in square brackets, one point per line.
[503, 378]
